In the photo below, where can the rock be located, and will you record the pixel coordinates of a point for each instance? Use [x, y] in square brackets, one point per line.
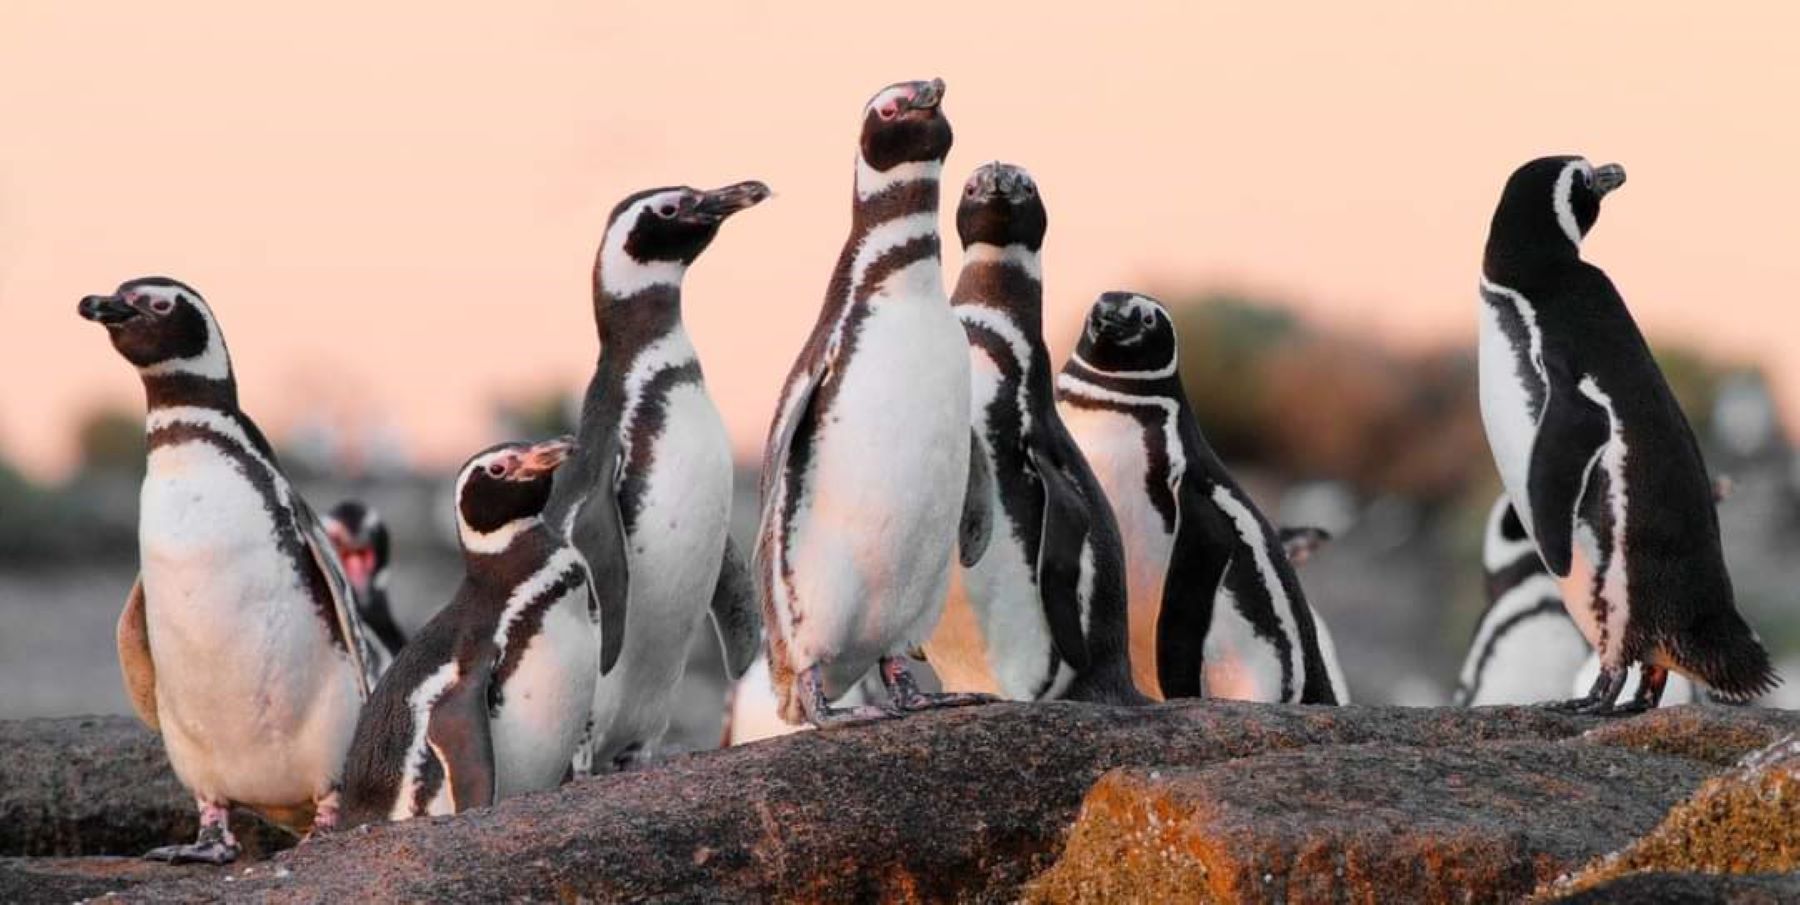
[1715, 734]
[959, 804]
[99, 786]
[1746, 821]
[1362, 823]
[1692, 889]
[27, 881]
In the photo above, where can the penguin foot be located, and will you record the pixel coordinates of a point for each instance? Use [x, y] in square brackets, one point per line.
[207, 852]
[819, 711]
[1600, 700]
[906, 694]
[1649, 691]
[325, 815]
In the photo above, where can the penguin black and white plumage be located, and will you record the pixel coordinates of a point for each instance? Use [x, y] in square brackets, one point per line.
[647, 498]
[361, 539]
[492, 696]
[1526, 648]
[1215, 604]
[868, 455]
[240, 642]
[1048, 585]
[1595, 453]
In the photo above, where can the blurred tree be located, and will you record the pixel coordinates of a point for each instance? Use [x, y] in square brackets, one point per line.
[542, 413]
[110, 441]
[1695, 381]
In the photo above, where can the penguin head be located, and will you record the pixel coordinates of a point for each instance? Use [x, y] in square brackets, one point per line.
[1128, 332]
[501, 491]
[161, 326]
[361, 540]
[1001, 206]
[1549, 205]
[905, 123]
[652, 236]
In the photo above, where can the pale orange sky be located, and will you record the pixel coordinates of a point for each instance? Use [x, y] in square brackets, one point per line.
[393, 207]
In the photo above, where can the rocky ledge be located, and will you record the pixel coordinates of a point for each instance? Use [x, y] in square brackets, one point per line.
[1198, 800]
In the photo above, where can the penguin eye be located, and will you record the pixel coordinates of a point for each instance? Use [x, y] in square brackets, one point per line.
[162, 306]
[887, 110]
[496, 469]
[1149, 319]
[970, 190]
[665, 210]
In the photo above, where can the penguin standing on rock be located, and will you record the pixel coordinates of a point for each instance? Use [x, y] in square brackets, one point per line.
[647, 497]
[1215, 604]
[492, 697]
[361, 539]
[1596, 456]
[869, 451]
[1044, 567]
[240, 642]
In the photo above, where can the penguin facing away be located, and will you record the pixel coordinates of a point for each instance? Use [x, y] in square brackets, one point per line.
[240, 642]
[492, 696]
[1527, 648]
[1044, 570]
[360, 537]
[1215, 604]
[647, 497]
[1595, 454]
[868, 456]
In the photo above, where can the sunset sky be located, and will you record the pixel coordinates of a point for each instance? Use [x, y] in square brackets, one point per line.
[393, 207]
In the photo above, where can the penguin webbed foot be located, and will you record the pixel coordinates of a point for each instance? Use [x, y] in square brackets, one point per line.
[906, 694]
[1649, 691]
[821, 714]
[214, 844]
[1601, 699]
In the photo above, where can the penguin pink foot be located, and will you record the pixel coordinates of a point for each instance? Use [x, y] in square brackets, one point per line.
[819, 711]
[214, 845]
[325, 815]
[907, 696]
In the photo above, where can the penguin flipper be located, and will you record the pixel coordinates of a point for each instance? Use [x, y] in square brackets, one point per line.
[735, 614]
[1572, 430]
[343, 594]
[977, 518]
[459, 734]
[134, 658]
[1064, 533]
[1190, 586]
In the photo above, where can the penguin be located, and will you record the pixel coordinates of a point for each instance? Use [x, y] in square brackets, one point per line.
[1595, 454]
[240, 643]
[1527, 649]
[868, 458]
[1048, 586]
[1215, 605]
[492, 696]
[360, 537]
[647, 497]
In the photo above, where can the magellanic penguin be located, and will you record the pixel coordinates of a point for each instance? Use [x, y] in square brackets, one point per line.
[1526, 648]
[1215, 604]
[1596, 455]
[492, 696]
[240, 643]
[869, 450]
[1046, 574]
[361, 539]
[647, 497]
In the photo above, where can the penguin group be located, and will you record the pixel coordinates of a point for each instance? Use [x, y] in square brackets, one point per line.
[922, 440]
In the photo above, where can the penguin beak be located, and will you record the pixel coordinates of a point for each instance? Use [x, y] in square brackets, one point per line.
[927, 95]
[1607, 178]
[359, 567]
[718, 204]
[109, 310]
[1111, 323]
[546, 457]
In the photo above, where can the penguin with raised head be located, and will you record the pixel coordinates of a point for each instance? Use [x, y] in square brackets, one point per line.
[492, 696]
[360, 537]
[240, 641]
[1526, 648]
[1596, 456]
[1215, 604]
[647, 497]
[868, 456]
[1048, 585]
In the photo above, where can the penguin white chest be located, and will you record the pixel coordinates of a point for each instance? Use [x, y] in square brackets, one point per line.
[1114, 443]
[1509, 376]
[871, 546]
[545, 696]
[256, 703]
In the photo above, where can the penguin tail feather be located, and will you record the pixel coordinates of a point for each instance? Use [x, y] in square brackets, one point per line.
[1723, 653]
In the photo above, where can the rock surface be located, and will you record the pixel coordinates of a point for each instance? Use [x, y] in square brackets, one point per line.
[1692, 889]
[961, 805]
[1746, 821]
[99, 786]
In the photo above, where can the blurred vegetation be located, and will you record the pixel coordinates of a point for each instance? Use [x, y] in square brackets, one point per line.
[546, 412]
